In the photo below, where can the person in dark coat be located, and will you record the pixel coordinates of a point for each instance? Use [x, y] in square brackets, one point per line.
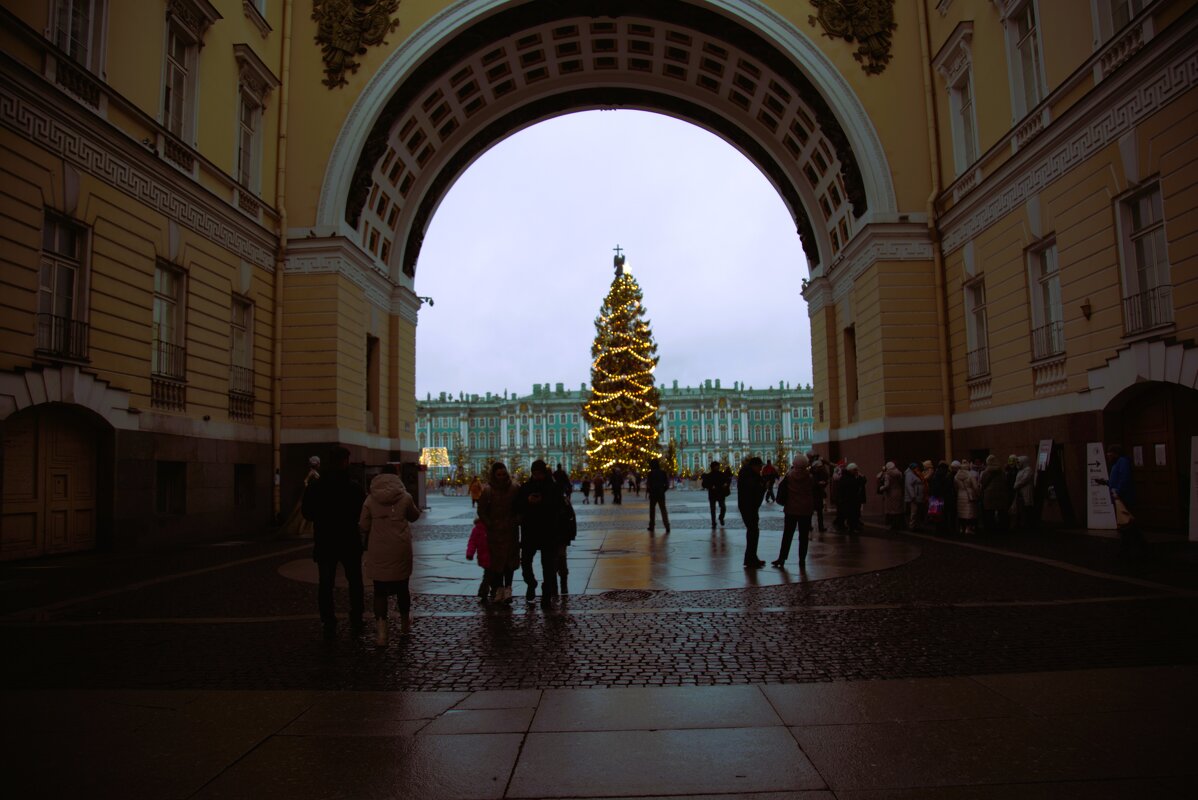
[819, 488]
[718, 484]
[597, 488]
[1123, 489]
[996, 501]
[797, 510]
[942, 488]
[850, 497]
[333, 504]
[540, 505]
[586, 491]
[750, 491]
[616, 481]
[656, 488]
[563, 482]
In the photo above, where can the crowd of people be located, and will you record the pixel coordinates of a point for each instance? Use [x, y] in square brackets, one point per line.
[517, 523]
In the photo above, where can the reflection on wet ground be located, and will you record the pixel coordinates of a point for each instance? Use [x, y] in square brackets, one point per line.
[614, 551]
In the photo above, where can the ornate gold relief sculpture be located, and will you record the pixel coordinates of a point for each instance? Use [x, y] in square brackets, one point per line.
[345, 28]
[869, 23]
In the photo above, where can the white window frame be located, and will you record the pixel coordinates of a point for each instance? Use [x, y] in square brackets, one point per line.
[1044, 289]
[176, 335]
[241, 333]
[1011, 13]
[249, 142]
[55, 260]
[1106, 26]
[65, 15]
[189, 66]
[1141, 311]
[976, 335]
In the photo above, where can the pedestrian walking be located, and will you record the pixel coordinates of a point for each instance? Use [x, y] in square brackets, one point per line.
[476, 490]
[296, 525]
[890, 486]
[750, 491]
[333, 504]
[798, 504]
[567, 532]
[967, 498]
[616, 481]
[385, 523]
[597, 487]
[851, 496]
[718, 484]
[656, 488]
[820, 478]
[770, 475]
[586, 491]
[996, 502]
[539, 504]
[497, 511]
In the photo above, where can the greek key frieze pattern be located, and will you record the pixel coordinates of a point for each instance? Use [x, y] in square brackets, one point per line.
[1150, 95]
[100, 160]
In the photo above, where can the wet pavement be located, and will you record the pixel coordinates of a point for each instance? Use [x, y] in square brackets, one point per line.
[893, 666]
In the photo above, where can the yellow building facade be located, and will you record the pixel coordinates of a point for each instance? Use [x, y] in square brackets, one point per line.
[212, 213]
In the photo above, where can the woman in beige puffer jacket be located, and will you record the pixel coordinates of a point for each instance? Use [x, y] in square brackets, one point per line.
[384, 522]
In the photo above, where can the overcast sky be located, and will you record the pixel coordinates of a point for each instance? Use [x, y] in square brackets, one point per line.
[518, 259]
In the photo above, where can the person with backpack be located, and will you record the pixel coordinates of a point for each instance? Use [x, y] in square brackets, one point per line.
[333, 505]
[796, 495]
[567, 533]
[539, 505]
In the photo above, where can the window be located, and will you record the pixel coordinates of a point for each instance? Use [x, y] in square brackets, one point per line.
[61, 330]
[247, 142]
[167, 358]
[978, 357]
[241, 364]
[1044, 279]
[1024, 54]
[178, 93]
[78, 26]
[1147, 292]
[965, 139]
[1122, 12]
[852, 393]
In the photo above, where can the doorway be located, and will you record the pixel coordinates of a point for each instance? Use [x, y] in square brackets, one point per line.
[49, 496]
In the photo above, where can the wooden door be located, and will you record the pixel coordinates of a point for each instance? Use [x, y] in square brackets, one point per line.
[49, 484]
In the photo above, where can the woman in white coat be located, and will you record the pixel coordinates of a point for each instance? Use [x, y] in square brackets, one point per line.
[384, 523]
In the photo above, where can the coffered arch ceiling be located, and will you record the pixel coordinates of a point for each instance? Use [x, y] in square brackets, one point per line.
[504, 71]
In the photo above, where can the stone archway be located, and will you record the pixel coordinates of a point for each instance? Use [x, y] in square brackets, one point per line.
[480, 72]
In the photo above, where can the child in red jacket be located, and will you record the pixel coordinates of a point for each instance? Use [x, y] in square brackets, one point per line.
[478, 544]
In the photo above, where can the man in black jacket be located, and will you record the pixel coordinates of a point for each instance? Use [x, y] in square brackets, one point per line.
[656, 487]
[750, 491]
[333, 504]
[539, 504]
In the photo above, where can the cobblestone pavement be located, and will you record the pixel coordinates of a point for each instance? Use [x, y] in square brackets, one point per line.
[223, 617]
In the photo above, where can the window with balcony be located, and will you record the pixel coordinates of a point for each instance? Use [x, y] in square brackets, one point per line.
[241, 363]
[978, 355]
[61, 311]
[168, 358]
[1147, 291]
[1044, 284]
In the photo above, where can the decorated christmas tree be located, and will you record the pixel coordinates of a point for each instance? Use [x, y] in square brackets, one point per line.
[622, 410]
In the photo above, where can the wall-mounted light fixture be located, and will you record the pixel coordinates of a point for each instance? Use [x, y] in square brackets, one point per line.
[1087, 309]
[428, 300]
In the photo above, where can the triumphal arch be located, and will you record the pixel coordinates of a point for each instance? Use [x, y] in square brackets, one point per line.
[213, 212]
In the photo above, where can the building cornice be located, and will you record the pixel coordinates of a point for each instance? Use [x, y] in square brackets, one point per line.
[899, 241]
[340, 256]
[39, 112]
[1150, 80]
[955, 56]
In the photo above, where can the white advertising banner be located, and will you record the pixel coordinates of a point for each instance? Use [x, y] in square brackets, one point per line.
[1100, 511]
[1194, 489]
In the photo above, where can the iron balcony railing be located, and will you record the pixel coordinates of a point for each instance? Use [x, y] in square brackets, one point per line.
[241, 380]
[978, 362]
[1148, 310]
[62, 336]
[169, 360]
[1048, 340]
